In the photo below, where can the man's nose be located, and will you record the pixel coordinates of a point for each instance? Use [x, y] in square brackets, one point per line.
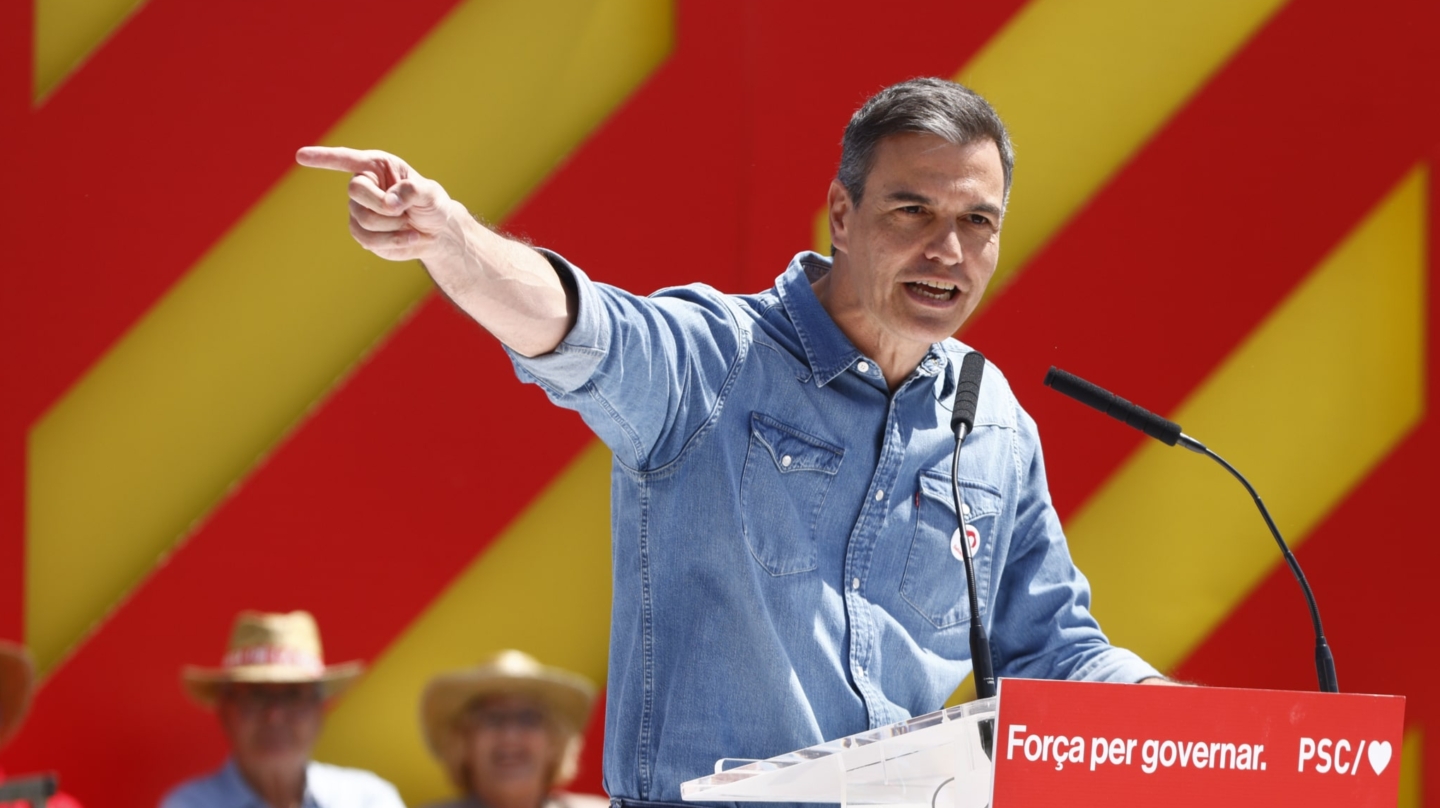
[945, 247]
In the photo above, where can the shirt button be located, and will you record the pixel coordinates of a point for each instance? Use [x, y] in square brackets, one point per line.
[854, 583]
[863, 367]
[879, 495]
[964, 507]
[785, 461]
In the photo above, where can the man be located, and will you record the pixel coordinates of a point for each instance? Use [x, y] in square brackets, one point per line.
[269, 695]
[784, 571]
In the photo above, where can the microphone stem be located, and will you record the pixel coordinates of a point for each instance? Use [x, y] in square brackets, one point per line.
[1324, 661]
[983, 665]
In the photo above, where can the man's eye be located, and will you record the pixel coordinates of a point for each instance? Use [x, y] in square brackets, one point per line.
[913, 210]
[979, 218]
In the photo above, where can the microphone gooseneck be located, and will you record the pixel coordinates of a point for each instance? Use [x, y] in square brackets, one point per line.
[962, 422]
[1165, 431]
[1168, 432]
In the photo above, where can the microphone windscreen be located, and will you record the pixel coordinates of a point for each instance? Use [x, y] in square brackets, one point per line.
[1165, 431]
[967, 392]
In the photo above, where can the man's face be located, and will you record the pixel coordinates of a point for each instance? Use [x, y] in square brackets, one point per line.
[512, 748]
[914, 256]
[271, 727]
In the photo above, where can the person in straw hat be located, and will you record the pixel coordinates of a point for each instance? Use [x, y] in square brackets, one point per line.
[17, 684]
[508, 732]
[270, 694]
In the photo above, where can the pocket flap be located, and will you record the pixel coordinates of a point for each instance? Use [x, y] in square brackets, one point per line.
[794, 450]
[982, 499]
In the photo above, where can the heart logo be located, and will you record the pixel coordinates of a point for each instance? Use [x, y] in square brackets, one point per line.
[1379, 754]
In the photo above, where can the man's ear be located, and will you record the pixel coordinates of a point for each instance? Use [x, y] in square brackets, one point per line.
[840, 208]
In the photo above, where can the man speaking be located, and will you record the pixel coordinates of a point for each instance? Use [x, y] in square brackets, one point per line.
[786, 561]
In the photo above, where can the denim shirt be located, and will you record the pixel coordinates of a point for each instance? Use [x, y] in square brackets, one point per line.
[782, 525]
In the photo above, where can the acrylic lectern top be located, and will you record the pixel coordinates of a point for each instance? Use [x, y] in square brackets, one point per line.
[940, 760]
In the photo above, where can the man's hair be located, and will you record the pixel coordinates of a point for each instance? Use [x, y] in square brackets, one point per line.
[932, 106]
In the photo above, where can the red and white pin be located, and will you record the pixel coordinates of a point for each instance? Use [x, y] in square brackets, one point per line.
[973, 538]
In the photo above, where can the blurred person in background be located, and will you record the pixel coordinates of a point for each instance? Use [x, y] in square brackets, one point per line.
[17, 685]
[270, 695]
[508, 732]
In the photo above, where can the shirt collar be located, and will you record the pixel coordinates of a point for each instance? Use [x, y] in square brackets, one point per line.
[238, 793]
[827, 349]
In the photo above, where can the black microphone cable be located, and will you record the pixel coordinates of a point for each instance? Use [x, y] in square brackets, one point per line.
[1168, 432]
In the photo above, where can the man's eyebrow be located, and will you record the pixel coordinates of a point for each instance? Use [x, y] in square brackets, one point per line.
[909, 196]
[921, 199]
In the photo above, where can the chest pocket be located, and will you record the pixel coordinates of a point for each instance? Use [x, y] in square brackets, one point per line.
[782, 491]
[934, 580]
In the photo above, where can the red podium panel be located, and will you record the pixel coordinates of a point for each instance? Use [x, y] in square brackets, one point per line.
[1082, 744]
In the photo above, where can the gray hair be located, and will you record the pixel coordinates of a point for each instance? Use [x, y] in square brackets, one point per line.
[932, 106]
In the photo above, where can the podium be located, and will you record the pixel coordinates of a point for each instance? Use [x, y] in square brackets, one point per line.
[1040, 743]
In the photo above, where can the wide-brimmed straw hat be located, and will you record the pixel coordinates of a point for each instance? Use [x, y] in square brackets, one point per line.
[569, 696]
[17, 680]
[270, 648]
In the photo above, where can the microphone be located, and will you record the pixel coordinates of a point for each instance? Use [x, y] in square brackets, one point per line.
[962, 423]
[967, 394]
[1168, 432]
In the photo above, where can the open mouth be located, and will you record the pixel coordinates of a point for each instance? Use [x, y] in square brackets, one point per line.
[933, 290]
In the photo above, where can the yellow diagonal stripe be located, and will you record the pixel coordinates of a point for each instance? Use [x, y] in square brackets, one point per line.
[66, 31]
[1311, 401]
[196, 392]
[543, 587]
[1082, 86]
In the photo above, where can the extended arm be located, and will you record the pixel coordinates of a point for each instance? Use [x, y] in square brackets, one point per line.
[507, 287]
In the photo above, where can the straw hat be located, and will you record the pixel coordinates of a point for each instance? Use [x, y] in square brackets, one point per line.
[509, 673]
[17, 678]
[271, 649]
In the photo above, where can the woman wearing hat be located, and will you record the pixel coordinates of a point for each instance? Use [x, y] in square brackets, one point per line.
[508, 732]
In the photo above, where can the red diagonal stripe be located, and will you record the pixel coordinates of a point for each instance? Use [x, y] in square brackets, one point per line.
[16, 21]
[1216, 220]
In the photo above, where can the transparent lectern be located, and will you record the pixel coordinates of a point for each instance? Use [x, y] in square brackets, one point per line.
[937, 760]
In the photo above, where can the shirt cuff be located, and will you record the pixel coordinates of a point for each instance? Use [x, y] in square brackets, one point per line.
[574, 360]
[1117, 665]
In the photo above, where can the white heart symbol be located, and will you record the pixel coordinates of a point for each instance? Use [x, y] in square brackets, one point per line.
[1379, 754]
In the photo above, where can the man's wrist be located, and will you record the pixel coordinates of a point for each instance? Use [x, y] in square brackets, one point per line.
[452, 241]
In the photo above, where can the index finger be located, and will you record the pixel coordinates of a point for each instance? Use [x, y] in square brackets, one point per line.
[334, 158]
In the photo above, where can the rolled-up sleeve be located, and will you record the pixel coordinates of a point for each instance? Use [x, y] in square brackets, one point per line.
[574, 360]
[644, 372]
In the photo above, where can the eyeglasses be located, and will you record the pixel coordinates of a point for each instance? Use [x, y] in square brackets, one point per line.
[260, 698]
[495, 719]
